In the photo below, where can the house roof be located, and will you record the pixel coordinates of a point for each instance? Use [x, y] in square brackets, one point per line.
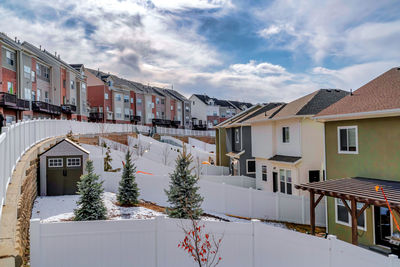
[261, 110]
[238, 104]
[265, 115]
[310, 104]
[177, 94]
[286, 159]
[10, 42]
[76, 66]
[382, 93]
[223, 103]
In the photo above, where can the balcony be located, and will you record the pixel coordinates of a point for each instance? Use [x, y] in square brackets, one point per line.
[96, 116]
[41, 106]
[161, 122]
[23, 104]
[8, 100]
[135, 118]
[68, 108]
[175, 124]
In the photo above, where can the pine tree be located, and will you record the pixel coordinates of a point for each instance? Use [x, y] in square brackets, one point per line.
[107, 160]
[90, 203]
[128, 191]
[182, 194]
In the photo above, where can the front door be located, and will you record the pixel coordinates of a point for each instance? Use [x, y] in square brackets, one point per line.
[275, 181]
[382, 225]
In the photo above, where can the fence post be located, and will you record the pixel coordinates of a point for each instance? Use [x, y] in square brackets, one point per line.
[277, 206]
[303, 210]
[250, 190]
[160, 241]
[35, 241]
[332, 240]
[254, 223]
[224, 196]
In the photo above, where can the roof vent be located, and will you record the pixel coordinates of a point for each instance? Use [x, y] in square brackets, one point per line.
[351, 91]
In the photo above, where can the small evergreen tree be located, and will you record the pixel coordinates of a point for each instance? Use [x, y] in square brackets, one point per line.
[182, 193]
[107, 160]
[128, 191]
[90, 203]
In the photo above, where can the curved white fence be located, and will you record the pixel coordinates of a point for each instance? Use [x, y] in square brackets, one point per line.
[19, 137]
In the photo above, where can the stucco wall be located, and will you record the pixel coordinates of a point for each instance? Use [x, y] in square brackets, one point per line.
[378, 157]
[262, 135]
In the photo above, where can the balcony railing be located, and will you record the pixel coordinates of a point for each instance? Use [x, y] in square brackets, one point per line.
[41, 106]
[95, 116]
[68, 108]
[135, 118]
[8, 100]
[23, 104]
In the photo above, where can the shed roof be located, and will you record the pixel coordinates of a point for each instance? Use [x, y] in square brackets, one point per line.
[286, 159]
[70, 143]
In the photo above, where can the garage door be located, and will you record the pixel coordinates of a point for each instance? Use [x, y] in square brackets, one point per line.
[63, 173]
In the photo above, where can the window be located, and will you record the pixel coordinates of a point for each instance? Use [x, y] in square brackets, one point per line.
[139, 101]
[118, 112]
[285, 134]
[72, 85]
[10, 87]
[73, 162]
[215, 113]
[179, 107]
[127, 113]
[251, 166]
[285, 177]
[55, 162]
[264, 172]
[348, 140]
[193, 103]
[237, 137]
[73, 102]
[139, 113]
[215, 122]
[343, 216]
[126, 99]
[172, 107]
[33, 96]
[10, 58]
[46, 73]
[38, 95]
[118, 97]
[162, 101]
[33, 76]
[106, 96]
[157, 101]
[27, 95]
[157, 114]
[27, 72]
[84, 87]
[313, 176]
[131, 100]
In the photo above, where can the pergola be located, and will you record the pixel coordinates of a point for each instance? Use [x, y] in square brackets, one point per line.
[357, 189]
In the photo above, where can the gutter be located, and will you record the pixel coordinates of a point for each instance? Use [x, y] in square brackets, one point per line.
[360, 115]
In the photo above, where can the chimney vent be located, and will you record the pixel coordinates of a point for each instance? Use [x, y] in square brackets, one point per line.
[40, 47]
[351, 91]
[15, 38]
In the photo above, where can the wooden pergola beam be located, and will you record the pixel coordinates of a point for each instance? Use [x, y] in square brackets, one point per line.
[354, 234]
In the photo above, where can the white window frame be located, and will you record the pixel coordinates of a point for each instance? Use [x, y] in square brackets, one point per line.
[27, 72]
[283, 141]
[118, 97]
[55, 160]
[285, 171]
[10, 55]
[172, 107]
[12, 87]
[247, 166]
[69, 164]
[27, 94]
[262, 173]
[349, 222]
[338, 139]
[138, 101]
[237, 137]
[106, 96]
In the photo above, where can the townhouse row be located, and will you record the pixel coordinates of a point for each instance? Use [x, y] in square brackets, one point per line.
[207, 112]
[37, 84]
[333, 143]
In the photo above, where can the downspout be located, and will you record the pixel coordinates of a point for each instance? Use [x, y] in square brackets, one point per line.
[324, 178]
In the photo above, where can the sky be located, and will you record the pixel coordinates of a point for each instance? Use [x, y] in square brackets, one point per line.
[247, 50]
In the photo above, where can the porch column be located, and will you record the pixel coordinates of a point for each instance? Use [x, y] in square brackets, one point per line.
[312, 211]
[354, 235]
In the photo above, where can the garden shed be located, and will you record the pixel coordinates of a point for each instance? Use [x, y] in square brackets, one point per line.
[61, 167]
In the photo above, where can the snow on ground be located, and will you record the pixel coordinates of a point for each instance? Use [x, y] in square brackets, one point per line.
[61, 208]
[142, 163]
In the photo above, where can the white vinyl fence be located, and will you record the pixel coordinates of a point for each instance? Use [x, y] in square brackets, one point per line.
[113, 145]
[242, 181]
[227, 199]
[17, 138]
[214, 170]
[202, 145]
[184, 132]
[154, 243]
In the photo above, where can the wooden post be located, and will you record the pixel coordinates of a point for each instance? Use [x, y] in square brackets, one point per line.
[312, 212]
[354, 236]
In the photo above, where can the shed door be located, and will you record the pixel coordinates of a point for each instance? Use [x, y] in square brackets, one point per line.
[63, 173]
